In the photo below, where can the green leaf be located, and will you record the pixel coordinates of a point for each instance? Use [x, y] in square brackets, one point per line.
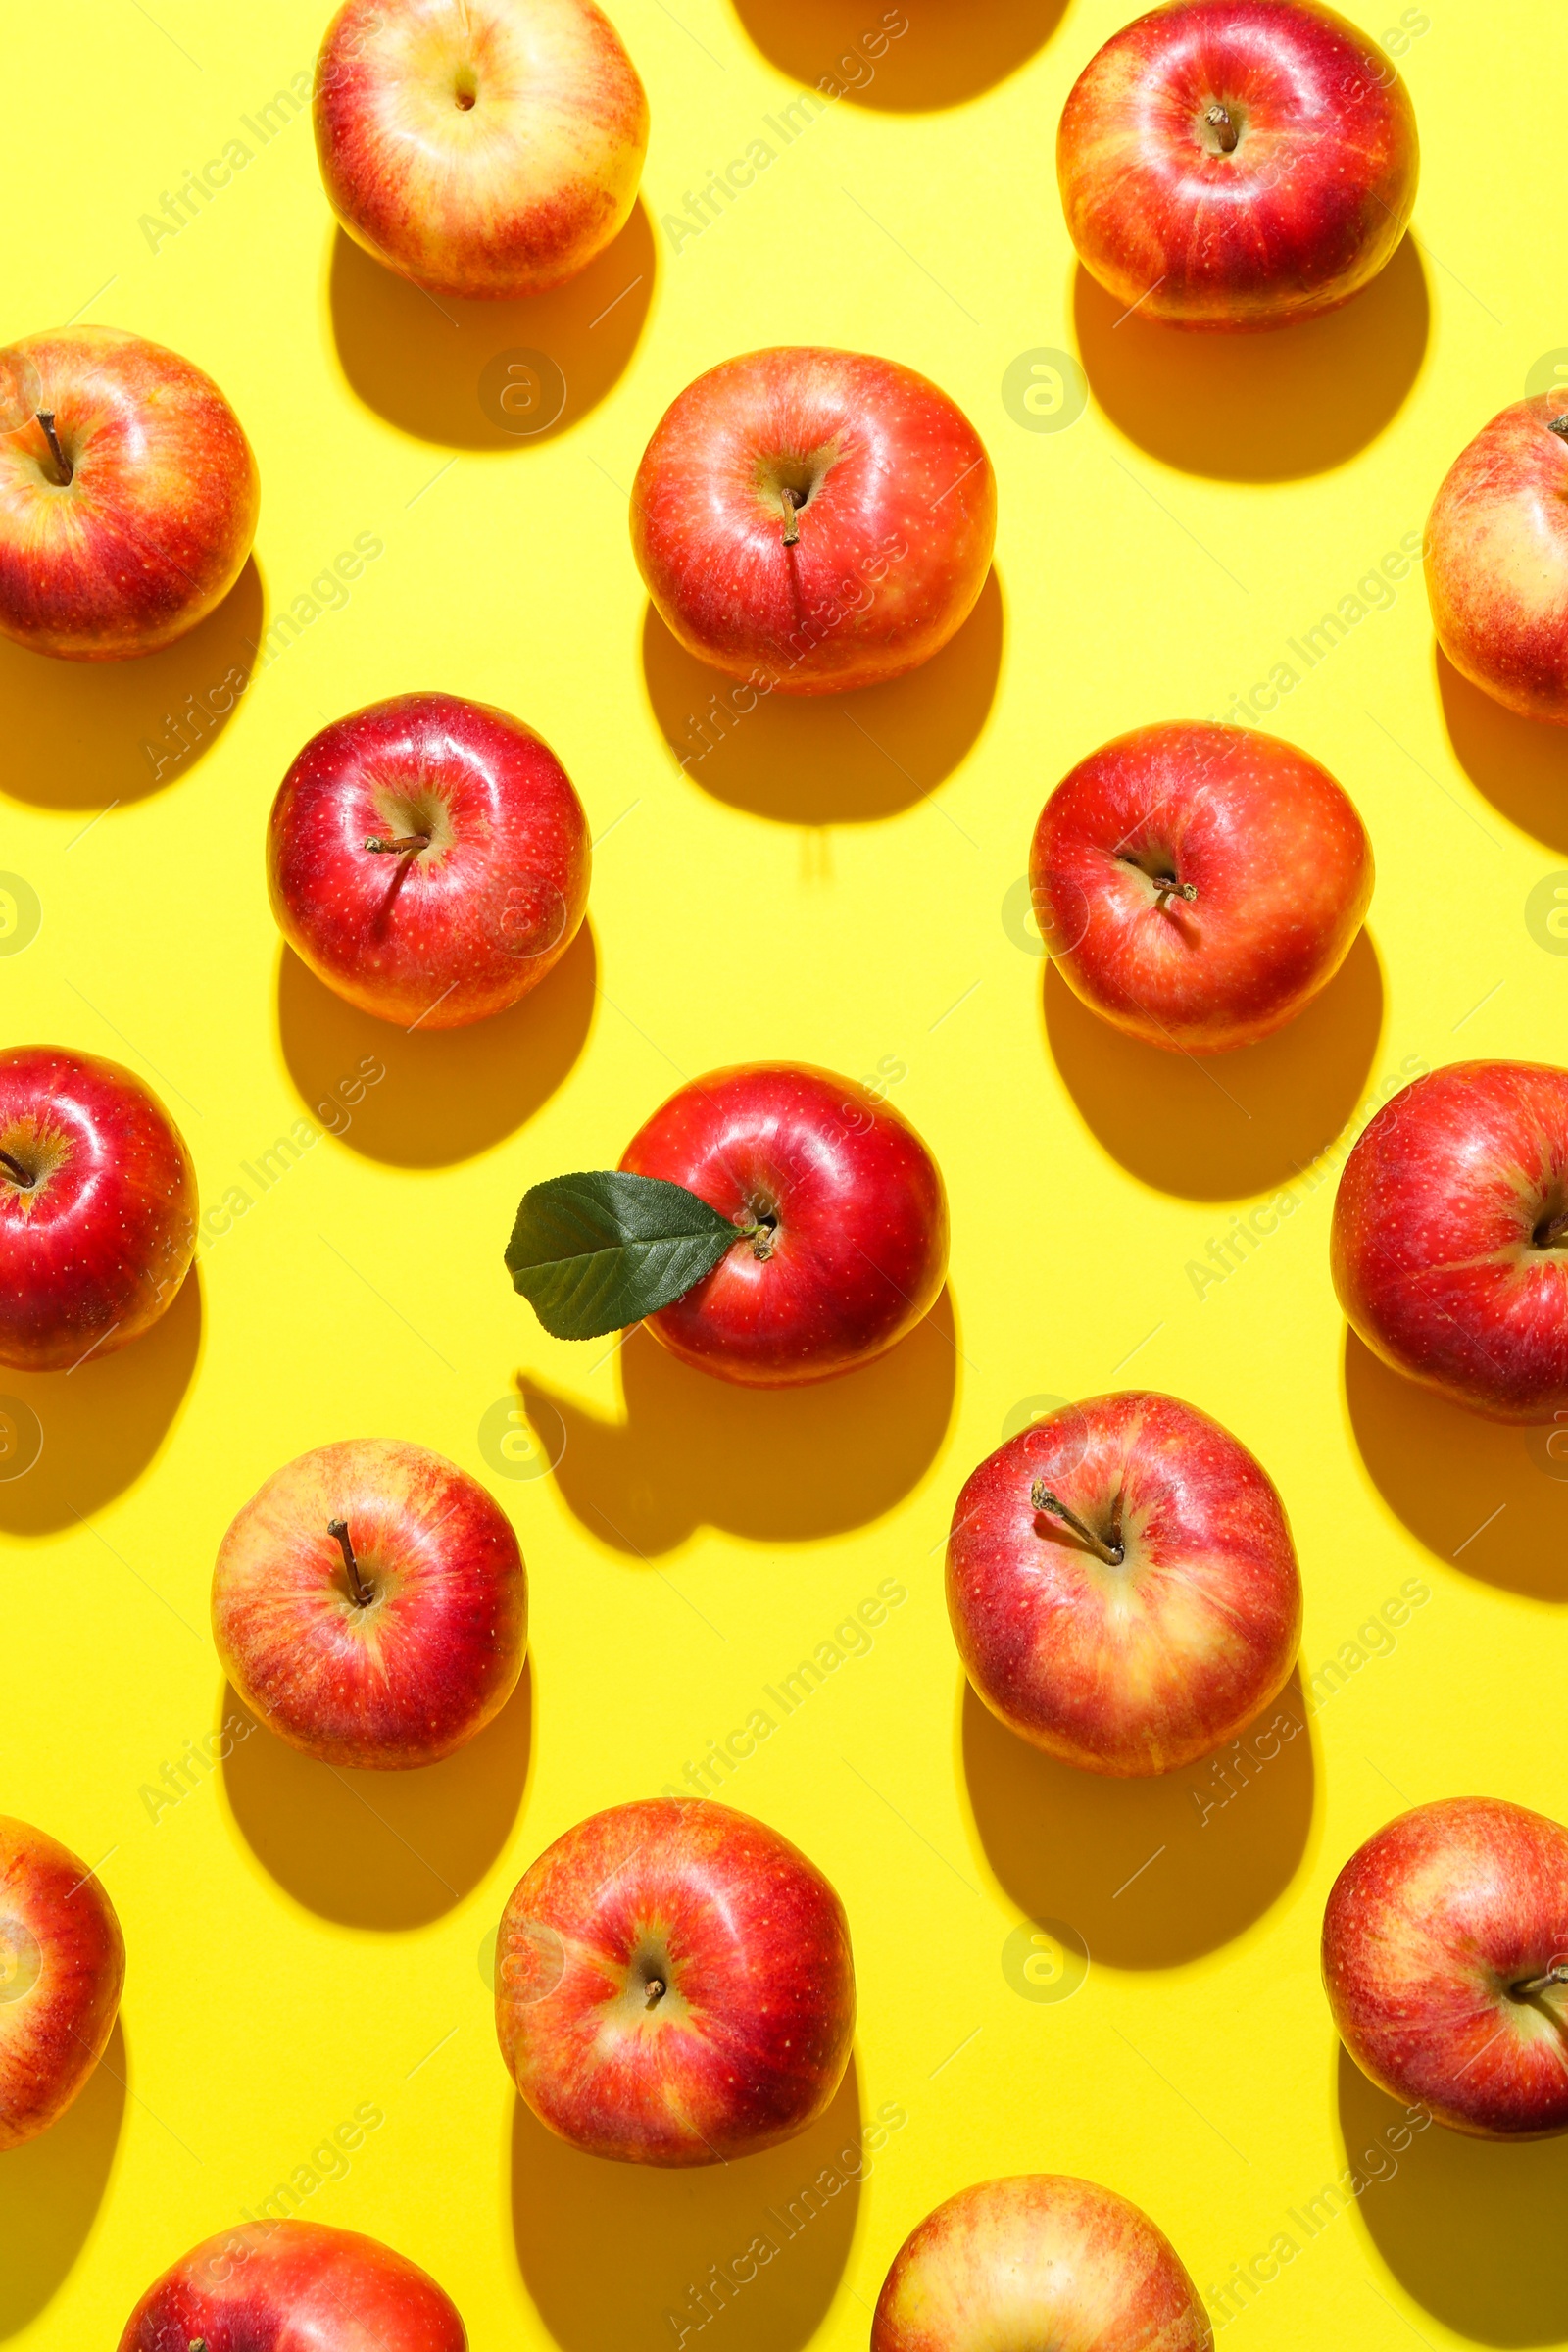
[595, 1252]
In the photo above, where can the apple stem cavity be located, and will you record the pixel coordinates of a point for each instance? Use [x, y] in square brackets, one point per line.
[1042, 1497]
[403, 846]
[1557, 1974]
[361, 1591]
[1218, 119]
[17, 1174]
[46, 418]
[761, 1233]
[791, 502]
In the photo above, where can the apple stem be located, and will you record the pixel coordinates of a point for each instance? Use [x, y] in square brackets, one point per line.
[16, 1172]
[1559, 426]
[1042, 1497]
[656, 1989]
[1165, 890]
[403, 846]
[1557, 1974]
[792, 524]
[762, 1233]
[362, 1595]
[46, 418]
[1218, 119]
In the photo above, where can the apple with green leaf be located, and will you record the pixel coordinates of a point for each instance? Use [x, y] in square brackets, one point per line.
[772, 1223]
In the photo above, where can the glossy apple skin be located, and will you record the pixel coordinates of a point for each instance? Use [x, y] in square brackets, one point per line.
[1040, 2259]
[153, 528]
[1273, 846]
[294, 2287]
[1141, 1667]
[1428, 1928]
[62, 1967]
[96, 1248]
[514, 191]
[859, 1249]
[437, 1653]
[1496, 561]
[1301, 213]
[895, 532]
[1433, 1246]
[452, 933]
[750, 2037]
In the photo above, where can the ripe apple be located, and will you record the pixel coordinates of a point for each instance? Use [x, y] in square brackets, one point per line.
[1450, 1241]
[371, 1605]
[271, 2287]
[1040, 2259]
[848, 1242]
[1122, 1584]
[428, 859]
[771, 1224]
[128, 494]
[491, 149]
[97, 1207]
[673, 1986]
[1496, 560]
[1445, 1962]
[62, 1967]
[1198, 885]
[1237, 164]
[813, 520]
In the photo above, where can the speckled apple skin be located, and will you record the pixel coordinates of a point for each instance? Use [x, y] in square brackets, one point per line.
[860, 1249]
[894, 540]
[510, 195]
[1273, 847]
[749, 2041]
[432, 1659]
[1427, 1927]
[294, 2287]
[94, 1252]
[456, 932]
[1144, 1667]
[1034, 2261]
[55, 1918]
[1305, 210]
[1496, 561]
[1431, 1244]
[153, 528]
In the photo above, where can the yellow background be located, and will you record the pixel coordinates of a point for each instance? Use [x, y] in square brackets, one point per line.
[841, 884]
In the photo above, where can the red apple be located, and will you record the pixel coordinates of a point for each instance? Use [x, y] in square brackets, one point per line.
[1496, 560]
[1237, 163]
[1199, 884]
[847, 1248]
[488, 149]
[428, 859]
[1446, 1961]
[62, 1967]
[673, 1986]
[128, 494]
[97, 1207]
[369, 1604]
[1122, 1584]
[294, 2287]
[1450, 1244]
[1034, 2261]
[812, 520]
